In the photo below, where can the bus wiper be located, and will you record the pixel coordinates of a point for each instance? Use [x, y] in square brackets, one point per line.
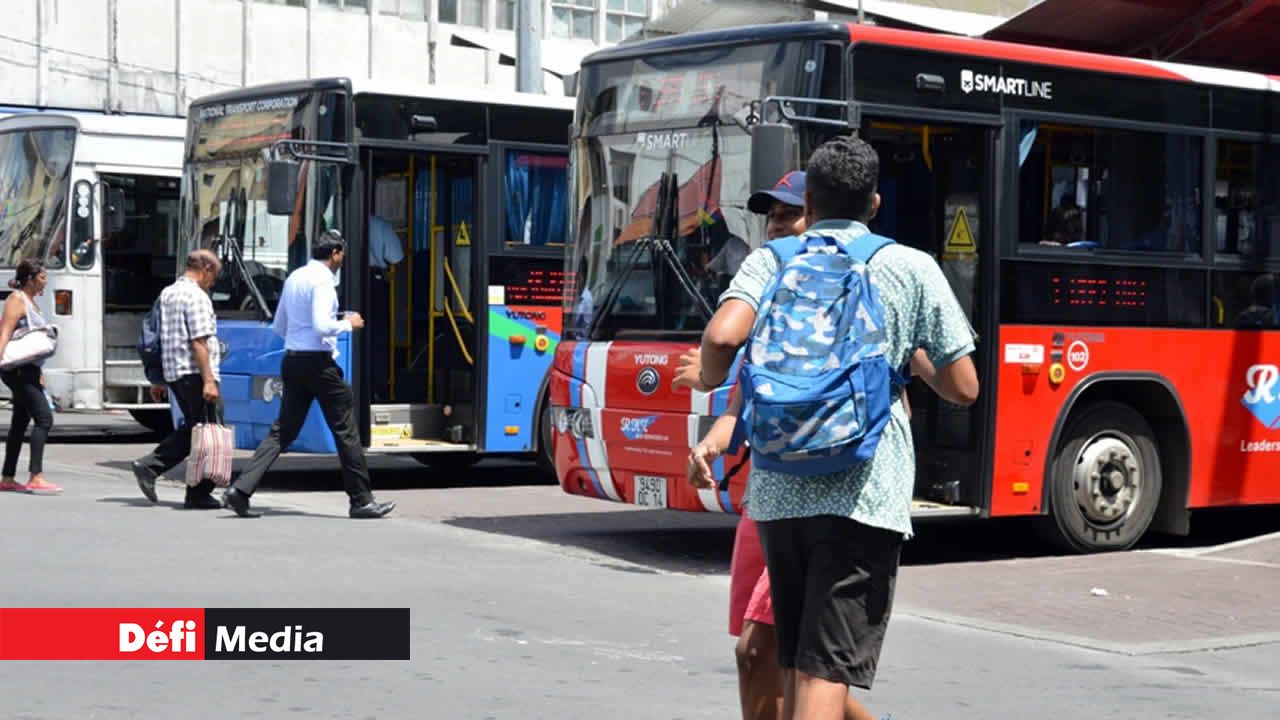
[665, 223]
[231, 244]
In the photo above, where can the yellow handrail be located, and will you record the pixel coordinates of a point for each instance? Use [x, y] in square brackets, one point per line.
[453, 322]
[448, 271]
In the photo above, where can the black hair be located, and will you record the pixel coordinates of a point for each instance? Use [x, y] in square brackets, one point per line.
[841, 179]
[26, 270]
[329, 242]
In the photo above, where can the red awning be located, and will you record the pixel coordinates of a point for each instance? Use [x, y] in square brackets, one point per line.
[1236, 34]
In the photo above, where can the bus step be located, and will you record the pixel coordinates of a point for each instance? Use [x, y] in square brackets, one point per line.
[928, 509]
[416, 446]
[417, 421]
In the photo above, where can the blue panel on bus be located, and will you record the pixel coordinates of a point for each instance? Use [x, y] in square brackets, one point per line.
[251, 387]
[518, 362]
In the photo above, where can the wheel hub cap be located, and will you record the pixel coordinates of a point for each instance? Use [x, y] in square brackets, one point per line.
[1108, 479]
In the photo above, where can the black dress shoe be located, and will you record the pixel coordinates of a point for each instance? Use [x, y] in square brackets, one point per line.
[202, 502]
[146, 480]
[373, 509]
[239, 502]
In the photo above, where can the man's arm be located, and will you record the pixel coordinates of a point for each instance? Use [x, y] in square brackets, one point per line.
[280, 323]
[202, 325]
[323, 300]
[725, 334]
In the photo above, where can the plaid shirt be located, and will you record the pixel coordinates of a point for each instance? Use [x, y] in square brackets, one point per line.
[186, 314]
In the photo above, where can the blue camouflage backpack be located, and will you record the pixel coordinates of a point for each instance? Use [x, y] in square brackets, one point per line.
[816, 386]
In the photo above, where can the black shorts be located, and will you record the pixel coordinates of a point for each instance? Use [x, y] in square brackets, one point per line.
[832, 582]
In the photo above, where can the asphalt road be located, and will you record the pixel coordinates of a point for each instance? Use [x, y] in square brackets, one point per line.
[530, 603]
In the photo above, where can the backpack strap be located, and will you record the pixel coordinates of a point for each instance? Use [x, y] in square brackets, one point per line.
[865, 246]
[786, 248]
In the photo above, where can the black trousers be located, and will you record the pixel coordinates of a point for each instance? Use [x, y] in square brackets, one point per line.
[313, 376]
[188, 391]
[29, 404]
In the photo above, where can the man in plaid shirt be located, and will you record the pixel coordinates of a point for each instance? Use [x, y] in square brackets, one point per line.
[190, 354]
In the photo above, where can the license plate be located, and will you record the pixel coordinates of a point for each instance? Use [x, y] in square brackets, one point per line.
[651, 491]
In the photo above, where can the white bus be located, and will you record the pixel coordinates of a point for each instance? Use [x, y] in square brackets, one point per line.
[96, 197]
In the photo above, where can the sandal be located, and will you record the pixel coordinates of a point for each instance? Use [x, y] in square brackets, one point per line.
[43, 487]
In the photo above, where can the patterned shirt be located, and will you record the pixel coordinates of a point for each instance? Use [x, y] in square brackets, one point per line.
[186, 314]
[921, 311]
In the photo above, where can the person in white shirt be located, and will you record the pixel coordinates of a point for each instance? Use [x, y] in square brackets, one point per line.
[306, 318]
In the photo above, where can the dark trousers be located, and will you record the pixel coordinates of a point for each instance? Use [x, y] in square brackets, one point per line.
[313, 376]
[29, 403]
[188, 390]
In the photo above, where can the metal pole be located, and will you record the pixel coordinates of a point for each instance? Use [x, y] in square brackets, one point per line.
[861, 18]
[529, 46]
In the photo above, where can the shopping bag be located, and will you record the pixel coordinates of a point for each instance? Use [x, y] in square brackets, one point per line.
[212, 444]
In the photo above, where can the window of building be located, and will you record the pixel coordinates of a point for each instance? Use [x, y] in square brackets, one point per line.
[623, 18]
[291, 3]
[1109, 189]
[462, 12]
[407, 9]
[573, 19]
[356, 5]
[506, 19]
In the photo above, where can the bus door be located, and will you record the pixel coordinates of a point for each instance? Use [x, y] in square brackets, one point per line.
[423, 236]
[524, 284]
[936, 185]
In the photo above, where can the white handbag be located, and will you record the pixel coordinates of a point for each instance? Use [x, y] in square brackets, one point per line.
[29, 345]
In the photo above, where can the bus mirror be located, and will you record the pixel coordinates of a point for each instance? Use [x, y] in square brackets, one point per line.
[115, 210]
[282, 186]
[773, 153]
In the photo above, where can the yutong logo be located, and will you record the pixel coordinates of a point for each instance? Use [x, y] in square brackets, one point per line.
[526, 315]
[1001, 85]
[652, 359]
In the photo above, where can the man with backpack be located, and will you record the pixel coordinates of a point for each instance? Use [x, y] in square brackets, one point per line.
[183, 339]
[830, 320]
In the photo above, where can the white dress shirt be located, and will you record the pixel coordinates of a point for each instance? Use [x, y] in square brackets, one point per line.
[306, 316]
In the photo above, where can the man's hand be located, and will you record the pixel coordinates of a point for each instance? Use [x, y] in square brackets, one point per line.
[210, 391]
[356, 321]
[159, 393]
[689, 372]
[699, 470]
[41, 379]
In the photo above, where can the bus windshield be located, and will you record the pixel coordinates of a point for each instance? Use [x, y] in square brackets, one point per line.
[225, 193]
[684, 116]
[35, 174]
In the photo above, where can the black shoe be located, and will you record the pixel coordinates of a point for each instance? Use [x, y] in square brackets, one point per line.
[202, 502]
[372, 509]
[239, 502]
[146, 480]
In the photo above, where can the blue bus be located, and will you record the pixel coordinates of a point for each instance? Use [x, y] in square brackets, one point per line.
[452, 203]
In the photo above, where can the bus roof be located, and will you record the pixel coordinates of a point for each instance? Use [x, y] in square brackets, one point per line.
[146, 126]
[399, 89]
[949, 44]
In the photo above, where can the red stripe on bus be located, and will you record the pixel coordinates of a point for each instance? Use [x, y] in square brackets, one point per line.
[1009, 51]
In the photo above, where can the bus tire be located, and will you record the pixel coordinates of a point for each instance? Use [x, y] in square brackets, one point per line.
[159, 421]
[545, 454]
[1105, 480]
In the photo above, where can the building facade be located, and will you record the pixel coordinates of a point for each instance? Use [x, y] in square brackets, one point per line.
[155, 56]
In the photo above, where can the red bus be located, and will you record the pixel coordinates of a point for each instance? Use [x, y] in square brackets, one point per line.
[1106, 222]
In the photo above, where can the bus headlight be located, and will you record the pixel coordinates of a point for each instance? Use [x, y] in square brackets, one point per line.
[582, 424]
[560, 419]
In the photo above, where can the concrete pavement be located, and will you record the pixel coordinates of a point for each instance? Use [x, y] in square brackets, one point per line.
[528, 603]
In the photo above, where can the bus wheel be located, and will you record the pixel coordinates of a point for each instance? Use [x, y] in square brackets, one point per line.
[1105, 481]
[546, 457]
[159, 421]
